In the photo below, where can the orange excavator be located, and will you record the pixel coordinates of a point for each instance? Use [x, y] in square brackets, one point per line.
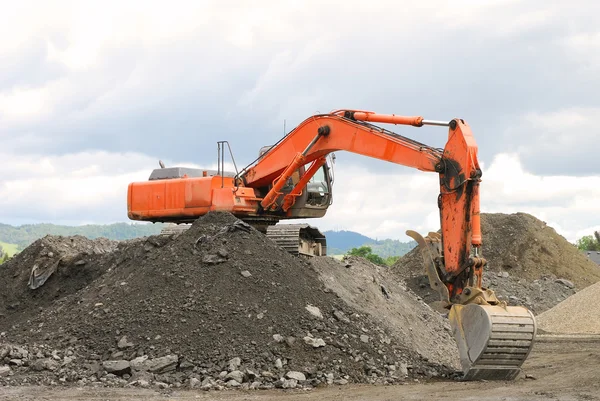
[293, 180]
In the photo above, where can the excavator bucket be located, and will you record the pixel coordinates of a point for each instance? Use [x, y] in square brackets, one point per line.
[493, 340]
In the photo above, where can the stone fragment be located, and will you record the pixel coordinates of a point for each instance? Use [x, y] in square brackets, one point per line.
[116, 367]
[236, 375]
[313, 310]
[299, 376]
[314, 342]
[123, 343]
[565, 282]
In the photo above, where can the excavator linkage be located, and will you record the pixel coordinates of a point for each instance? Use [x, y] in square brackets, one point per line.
[493, 339]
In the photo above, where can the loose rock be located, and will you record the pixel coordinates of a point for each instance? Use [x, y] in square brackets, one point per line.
[116, 367]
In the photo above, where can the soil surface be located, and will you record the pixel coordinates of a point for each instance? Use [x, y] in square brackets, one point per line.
[376, 292]
[561, 371]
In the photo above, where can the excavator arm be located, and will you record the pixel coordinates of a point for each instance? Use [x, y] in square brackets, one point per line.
[494, 339]
[352, 131]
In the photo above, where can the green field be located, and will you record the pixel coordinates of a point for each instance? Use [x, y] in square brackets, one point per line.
[10, 249]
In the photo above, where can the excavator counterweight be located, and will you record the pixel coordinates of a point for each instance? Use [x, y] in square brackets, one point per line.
[293, 179]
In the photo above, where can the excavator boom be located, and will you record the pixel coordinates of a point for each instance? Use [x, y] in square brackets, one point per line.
[493, 338]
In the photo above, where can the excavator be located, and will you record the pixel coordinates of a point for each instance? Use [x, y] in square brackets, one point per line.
[293, 180]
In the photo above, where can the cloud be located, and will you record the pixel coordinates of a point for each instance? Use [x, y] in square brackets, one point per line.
[552, 143]
[93, 93]
[165, 80]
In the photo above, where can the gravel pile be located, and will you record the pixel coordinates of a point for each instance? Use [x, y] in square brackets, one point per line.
[529, 264]
[579, 314]
[217, 306]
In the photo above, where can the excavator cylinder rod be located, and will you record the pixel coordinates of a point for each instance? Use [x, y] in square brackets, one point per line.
[388, 118]
[415, 121]
[435, 122]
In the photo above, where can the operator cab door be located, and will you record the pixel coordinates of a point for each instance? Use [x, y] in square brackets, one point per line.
[318, 189]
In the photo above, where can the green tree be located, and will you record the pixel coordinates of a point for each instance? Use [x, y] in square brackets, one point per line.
[391, 260]
[367, 253]
[589, 242]
[3, 256]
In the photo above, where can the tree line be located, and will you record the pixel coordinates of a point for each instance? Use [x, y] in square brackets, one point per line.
[366, 252]
[24, 235]
[589, 242]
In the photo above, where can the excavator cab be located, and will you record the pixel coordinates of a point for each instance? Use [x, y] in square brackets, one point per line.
[318, 189]
[316, 197]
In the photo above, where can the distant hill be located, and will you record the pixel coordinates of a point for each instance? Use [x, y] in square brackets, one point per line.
[21, 236]
[343, 241]
[17, 238]
[340, 242]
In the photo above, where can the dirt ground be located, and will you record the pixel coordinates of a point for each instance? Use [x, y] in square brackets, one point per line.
[561, 369]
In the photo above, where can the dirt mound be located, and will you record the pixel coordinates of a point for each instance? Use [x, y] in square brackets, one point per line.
[528, 263]
[579, 314]
[528, 248]
[67, 263]
[219, 304]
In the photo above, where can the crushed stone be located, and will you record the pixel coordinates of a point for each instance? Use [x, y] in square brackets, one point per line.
[578, 314]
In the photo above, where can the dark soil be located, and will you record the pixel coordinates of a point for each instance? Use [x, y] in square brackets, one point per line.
[218, 291]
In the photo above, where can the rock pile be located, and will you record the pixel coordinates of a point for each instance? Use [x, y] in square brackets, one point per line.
[529, 264]
[219, 305]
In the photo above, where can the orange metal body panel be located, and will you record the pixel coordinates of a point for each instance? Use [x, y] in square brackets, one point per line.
[187, 198]
[459, 214]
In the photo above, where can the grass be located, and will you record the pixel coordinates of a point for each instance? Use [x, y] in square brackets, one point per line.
[10, 249]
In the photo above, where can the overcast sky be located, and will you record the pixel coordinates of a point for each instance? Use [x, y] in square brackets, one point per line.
[92, 94]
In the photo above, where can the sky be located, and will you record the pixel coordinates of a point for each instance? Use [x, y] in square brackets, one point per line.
[94, 93]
